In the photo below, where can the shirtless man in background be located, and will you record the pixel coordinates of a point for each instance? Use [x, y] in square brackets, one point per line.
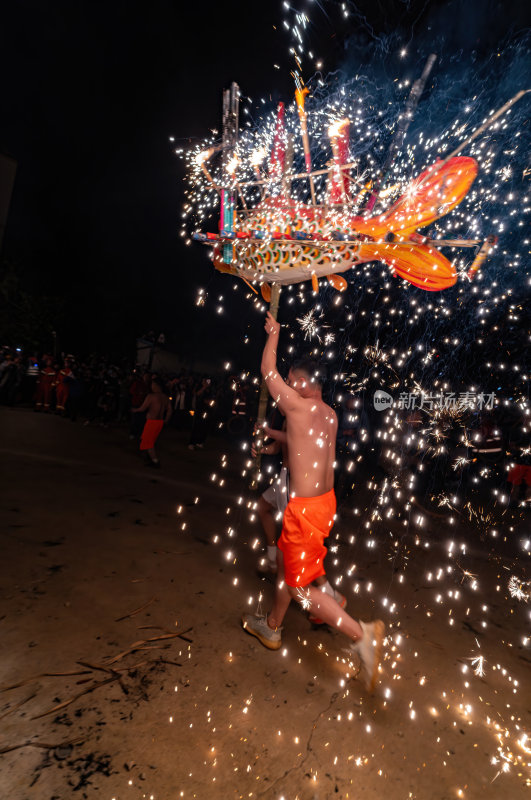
[158, 411]
[272, 503]
[311, 440]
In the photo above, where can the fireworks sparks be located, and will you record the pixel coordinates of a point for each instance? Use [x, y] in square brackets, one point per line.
[303, 597]
[478, 664]
[375, 354]
[517, 590]
[435, 464]
[309, 325]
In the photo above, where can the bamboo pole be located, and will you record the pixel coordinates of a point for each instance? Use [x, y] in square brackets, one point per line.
[404, 121]
[303, 175]
[330, 243]
[300, 94]
[264, 396]
[488, 122]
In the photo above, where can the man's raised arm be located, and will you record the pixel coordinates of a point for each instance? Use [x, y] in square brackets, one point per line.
[278, 389]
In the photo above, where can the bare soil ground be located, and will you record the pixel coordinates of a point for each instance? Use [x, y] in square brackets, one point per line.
[125, 674]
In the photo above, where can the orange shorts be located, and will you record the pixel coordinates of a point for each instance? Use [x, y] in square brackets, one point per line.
[150, 434]
[306, 524]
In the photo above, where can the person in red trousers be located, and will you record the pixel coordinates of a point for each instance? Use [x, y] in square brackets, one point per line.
[62, 387]
[45, 385]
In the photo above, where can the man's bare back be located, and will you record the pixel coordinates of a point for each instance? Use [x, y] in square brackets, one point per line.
[156, 405]
[311, 425]
[311, 435]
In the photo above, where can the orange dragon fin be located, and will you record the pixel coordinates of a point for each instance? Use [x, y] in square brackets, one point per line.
[339, 283]
[422, 265]
[435, 192]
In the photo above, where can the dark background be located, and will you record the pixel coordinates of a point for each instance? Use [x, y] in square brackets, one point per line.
[92, 92]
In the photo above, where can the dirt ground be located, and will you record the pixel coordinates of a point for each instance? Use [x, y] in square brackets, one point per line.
[125, 674]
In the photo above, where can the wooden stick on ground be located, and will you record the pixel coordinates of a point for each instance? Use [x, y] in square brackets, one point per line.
[44, 745]
[66, 703]
[136, 610]
[145, 644]
[135, 666]
[18, 705]
[93, 666]
[44, 675]
[152, 628]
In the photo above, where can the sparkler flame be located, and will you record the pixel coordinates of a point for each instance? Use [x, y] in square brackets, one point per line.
[309, 325]
[336, 128]
[516, 588]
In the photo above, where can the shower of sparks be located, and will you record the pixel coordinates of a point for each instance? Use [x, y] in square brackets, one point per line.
[309, 325]
[478, 664]
[443, 500]
[376, 355]
[303, 597]
[516, 588]
[403, 470]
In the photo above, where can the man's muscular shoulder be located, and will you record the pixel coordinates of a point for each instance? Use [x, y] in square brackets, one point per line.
[330, 415]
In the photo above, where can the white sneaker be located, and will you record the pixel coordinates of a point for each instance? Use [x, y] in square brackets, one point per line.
[257, 626]
[369, 650]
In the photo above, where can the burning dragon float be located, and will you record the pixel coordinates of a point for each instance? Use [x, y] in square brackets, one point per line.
[279, 239]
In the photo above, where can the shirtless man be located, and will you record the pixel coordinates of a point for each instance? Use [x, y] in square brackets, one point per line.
[158, 411]
[311, 438]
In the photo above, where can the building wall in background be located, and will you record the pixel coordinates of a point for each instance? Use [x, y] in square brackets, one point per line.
[8, 169]
[157, 358]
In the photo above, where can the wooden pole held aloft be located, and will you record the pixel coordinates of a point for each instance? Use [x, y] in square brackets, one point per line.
[263, 397]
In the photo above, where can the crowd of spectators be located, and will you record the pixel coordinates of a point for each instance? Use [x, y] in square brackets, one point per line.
[98, 390]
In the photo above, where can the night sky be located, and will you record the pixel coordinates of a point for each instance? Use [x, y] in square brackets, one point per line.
[92, 92]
